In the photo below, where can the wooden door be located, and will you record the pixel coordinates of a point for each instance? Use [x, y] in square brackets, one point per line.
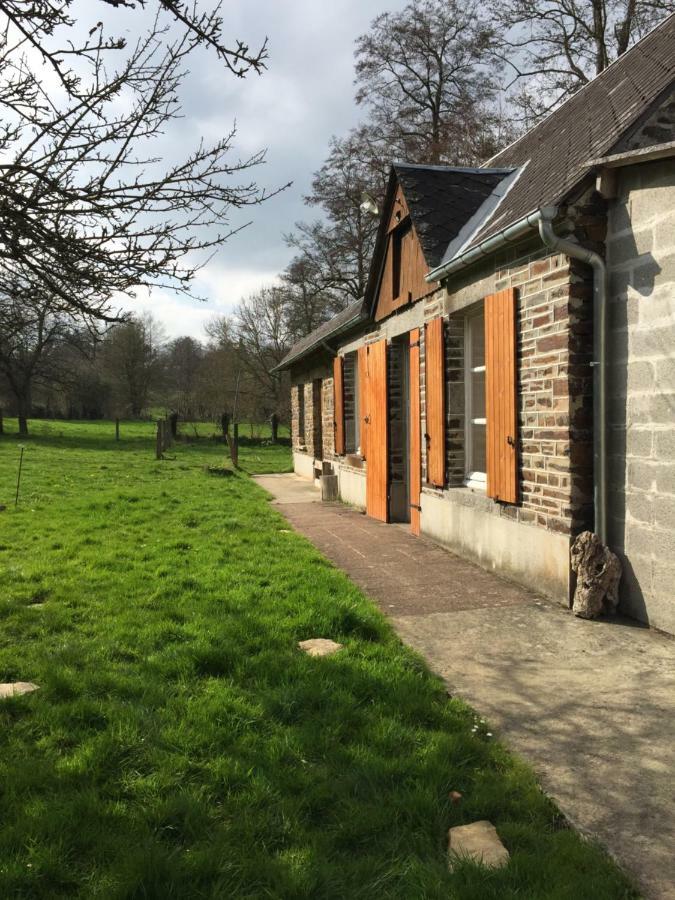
[415, 449]
[377, 468]
[500, 396]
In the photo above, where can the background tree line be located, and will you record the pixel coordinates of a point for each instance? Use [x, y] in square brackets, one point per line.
[90, 216]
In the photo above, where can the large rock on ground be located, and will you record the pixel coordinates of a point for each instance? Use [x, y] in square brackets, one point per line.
[319, 646]
[14, 688]
[478, 842]
[598, 572]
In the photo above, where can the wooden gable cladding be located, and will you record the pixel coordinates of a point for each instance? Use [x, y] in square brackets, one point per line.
[404, 265]
[434, 367]
[500, 396]
[339, 405]
[377, 470]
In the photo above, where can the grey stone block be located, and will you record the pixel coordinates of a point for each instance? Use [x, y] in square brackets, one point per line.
[664, 441]
[664, 515]
[639, 443]
[642, 475]
[665, 478]
[629, 246]
[640, 376]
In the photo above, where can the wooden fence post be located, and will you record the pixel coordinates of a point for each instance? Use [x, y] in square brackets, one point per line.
[234, 446]
[2, 426]
[160, 439]
[225, 425]
[117, 429]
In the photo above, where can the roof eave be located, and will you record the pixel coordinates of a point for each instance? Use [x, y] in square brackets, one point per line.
[473, 254]
[320, 342]
[632, 157]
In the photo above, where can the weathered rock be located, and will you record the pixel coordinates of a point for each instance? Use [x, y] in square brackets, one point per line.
[598, 572]
[479, 842]
[319, 646]
[14, 688]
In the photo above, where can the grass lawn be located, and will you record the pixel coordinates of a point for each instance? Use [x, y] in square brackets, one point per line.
[180, 744]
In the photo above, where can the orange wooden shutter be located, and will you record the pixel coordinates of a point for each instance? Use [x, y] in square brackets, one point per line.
[435, 396]
[339, 405]
[415, 441]
[377, 470]
[500, 396]
[363, 400]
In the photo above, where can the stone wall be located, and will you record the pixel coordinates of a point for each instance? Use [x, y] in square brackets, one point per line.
[641, 380]
[312, 409]
[328, 419]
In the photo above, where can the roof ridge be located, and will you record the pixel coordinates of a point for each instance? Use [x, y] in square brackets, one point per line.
[468, 170]
[584, 87]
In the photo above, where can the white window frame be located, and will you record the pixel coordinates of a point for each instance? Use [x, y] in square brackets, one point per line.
[472, 478]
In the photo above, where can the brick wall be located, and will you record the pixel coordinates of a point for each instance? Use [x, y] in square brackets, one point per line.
[297, 416]
[328, 419]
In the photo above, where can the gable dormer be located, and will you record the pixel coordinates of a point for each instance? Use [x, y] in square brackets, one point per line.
[425, 208]
[404, 264]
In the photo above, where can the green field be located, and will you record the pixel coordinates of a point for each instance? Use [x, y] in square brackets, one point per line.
[181, 746]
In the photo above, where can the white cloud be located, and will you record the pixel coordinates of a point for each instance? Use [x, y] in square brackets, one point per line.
[222, 286]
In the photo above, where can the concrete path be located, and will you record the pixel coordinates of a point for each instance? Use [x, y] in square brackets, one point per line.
[590, 705]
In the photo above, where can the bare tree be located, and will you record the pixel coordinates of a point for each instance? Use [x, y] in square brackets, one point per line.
[553, 47]
[334, 252]
[421, 74]
[133, 363]
[35, 25]
[35, 334]
[183, 359]
[90, 212]
[263, 338]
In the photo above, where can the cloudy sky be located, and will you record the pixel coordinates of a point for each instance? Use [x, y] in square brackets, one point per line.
[305, 96]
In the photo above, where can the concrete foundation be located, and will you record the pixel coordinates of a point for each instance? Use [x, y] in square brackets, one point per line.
[352, 488]
[532, 556]
[303, 464]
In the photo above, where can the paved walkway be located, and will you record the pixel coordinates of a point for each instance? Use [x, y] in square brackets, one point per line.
[591, 705]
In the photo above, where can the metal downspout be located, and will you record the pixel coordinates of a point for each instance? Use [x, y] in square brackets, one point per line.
[597, 263]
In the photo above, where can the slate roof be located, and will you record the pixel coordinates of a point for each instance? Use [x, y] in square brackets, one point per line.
[558, 151]
[441, 199]
[348, 318]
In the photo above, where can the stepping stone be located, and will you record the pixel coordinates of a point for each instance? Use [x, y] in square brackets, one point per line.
[479, 842]
[14, 688]
[319, 647]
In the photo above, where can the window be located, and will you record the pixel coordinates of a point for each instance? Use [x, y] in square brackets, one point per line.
[397, 238]
[474, 380]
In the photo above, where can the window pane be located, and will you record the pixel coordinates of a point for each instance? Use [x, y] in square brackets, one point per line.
[477, 341]
[478, 395]
[478, 463]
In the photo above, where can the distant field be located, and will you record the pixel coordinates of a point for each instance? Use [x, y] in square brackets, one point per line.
[181, 746]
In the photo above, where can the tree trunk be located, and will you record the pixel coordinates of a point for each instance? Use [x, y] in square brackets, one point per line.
[23, 411]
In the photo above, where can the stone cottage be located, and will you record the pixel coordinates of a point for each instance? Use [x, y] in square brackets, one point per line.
[508, 380]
